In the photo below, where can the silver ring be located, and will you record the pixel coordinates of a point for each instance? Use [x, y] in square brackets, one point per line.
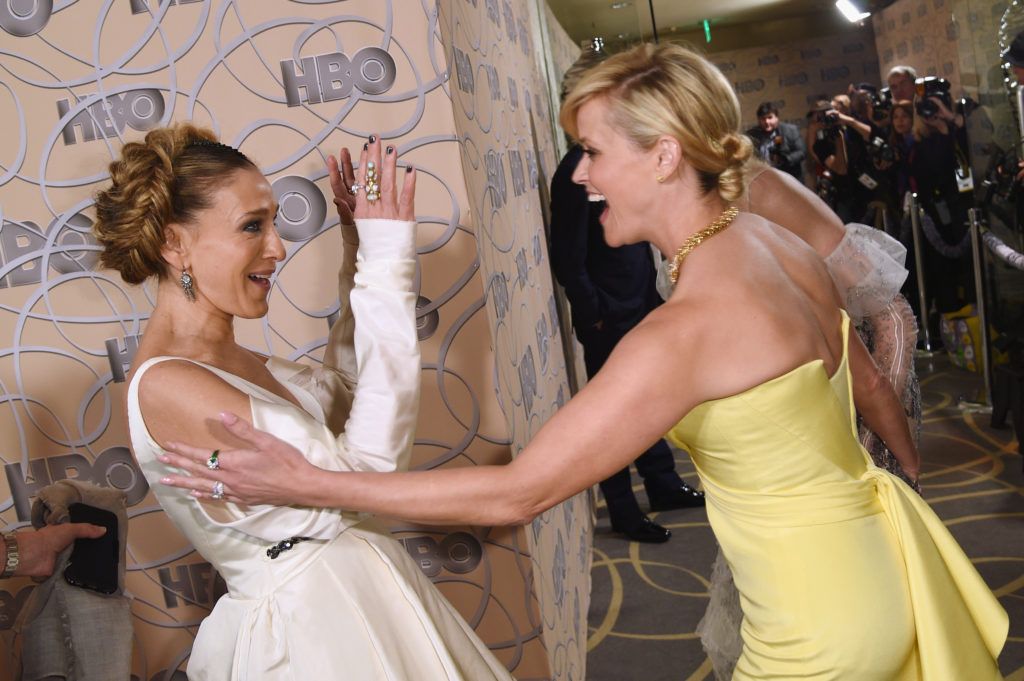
[218, 490]
[354, 189]
[212, 463]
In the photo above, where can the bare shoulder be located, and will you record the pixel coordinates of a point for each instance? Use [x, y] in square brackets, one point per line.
[180, 399]
[781, 198]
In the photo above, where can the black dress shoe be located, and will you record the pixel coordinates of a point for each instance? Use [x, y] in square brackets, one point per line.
[642, 529]
[681, 496]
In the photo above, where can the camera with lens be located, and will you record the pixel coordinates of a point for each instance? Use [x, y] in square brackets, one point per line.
[825, 190]
[881, 151]
[1001, 177]
[827, 118]
[881, 104]
[928, 87]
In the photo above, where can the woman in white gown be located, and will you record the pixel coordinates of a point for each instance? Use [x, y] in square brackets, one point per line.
[312, 593]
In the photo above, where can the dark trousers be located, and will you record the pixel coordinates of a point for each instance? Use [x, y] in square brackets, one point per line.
[656, 466]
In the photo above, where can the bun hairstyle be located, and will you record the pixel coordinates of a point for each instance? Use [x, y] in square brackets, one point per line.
[666, 89]
[167, 178]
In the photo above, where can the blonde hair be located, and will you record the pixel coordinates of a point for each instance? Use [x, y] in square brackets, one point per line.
[588, 59]
[666, 89]
[167, 178]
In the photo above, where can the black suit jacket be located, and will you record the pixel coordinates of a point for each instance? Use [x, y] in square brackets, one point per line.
[613, 286]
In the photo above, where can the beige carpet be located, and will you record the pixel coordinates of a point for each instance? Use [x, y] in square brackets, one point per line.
[647, 599]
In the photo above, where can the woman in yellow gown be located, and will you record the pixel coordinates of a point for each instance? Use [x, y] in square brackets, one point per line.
[843, 571]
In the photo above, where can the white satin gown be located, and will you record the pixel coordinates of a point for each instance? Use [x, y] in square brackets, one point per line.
[349, 602]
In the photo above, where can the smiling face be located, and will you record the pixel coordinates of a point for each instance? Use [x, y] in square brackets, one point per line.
[232, 248]
[612, 166]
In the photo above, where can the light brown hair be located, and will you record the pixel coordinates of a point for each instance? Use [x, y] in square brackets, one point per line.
[167, 178]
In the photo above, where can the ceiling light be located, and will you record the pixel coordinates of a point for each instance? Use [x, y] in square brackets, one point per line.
[620, 5]
[850, 11]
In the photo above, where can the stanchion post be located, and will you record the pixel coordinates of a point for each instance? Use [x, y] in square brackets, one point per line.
[915, 225]
[974, 214]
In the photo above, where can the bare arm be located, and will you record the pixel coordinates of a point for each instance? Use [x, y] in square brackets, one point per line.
[862, 129]
[632, 402]
[881, 409]
[780, 198]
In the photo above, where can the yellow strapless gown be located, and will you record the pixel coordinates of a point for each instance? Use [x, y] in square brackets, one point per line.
[843, 571]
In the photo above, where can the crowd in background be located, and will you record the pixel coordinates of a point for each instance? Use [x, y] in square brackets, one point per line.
[865, 149]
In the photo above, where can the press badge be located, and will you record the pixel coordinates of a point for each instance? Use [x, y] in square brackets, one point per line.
[964, 180]
[867, 181]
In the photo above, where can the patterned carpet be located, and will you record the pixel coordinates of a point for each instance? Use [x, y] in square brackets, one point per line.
[647, 599]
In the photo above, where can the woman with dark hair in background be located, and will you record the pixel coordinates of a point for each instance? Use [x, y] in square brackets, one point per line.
[312, 593]
[843, 571]
[902, 140]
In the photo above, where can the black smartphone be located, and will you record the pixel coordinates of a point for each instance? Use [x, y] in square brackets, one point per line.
[93, 562]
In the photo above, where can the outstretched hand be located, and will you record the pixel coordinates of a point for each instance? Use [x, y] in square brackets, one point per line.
[270, 471]
[342, 177]
[389, 204]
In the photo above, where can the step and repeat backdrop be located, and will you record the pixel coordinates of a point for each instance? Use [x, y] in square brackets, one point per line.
[458, 86]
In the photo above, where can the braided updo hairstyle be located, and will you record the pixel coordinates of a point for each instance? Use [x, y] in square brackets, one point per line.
[666, 89]
[167, 178]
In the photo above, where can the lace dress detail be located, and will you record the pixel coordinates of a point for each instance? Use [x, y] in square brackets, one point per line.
[867, 267]
[890, 337]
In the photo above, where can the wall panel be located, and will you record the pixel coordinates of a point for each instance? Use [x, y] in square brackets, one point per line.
[80, 77]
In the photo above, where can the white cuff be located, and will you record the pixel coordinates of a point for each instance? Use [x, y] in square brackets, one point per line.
[386, 239]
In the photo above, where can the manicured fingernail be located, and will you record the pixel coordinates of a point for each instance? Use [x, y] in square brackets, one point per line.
[197, 494]
[391, 149]
[373, 138]
[227, 417]
[165, 459]
[165, 481]
[408, 169]
[365, 146]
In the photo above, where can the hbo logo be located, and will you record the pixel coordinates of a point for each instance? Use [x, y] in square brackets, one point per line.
[327, 77]
[459, 552]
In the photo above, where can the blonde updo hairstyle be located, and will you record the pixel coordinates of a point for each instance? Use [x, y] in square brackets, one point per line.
[167, 178]
[666, 89]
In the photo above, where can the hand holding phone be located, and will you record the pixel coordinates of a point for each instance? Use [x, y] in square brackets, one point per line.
[94, 563]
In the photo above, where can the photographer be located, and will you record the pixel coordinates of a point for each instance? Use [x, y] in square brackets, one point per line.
[778, 143]
[841, 139]
[828, 149]
[901, 81]
[869, 154]
[940, 174]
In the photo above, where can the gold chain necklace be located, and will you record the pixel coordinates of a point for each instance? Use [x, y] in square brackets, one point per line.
[723, 221]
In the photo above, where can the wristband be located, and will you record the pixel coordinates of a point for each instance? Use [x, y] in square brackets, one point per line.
[12, 557]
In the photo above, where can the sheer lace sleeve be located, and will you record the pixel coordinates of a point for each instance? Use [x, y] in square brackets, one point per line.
[867, 267]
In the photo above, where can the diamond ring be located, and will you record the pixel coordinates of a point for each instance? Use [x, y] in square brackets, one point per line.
[218, 490]
[212, 463]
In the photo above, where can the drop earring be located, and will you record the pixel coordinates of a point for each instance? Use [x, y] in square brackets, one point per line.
[187, 285]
